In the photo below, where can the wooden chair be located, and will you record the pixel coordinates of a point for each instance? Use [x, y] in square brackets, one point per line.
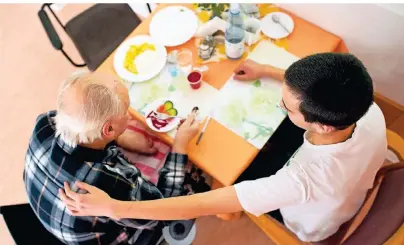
[380, 219]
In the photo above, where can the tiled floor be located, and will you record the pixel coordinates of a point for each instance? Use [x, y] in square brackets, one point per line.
[31, 73]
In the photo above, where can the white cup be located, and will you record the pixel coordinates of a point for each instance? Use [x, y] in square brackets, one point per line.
[252, 27]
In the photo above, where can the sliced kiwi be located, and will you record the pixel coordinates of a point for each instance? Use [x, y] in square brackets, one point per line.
[168, 105]
[172, 112]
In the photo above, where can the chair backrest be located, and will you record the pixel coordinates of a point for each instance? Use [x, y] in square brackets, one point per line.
[25, 227]
[387, 212]
[396, 144]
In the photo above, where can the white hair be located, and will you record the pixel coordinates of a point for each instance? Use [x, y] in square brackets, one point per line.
[84, 122]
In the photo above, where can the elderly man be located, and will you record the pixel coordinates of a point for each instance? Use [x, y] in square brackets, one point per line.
[79, 142]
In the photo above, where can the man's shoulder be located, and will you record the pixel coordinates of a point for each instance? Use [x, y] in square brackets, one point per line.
[44, 126]
[45, 118]
[373, 121]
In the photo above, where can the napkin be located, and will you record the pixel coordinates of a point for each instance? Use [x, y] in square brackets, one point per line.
[218, 24]
[211, 27]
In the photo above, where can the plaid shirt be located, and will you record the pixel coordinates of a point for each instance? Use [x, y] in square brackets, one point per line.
[50, 162]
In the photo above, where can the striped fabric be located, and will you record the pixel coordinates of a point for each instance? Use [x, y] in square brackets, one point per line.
[148, 165]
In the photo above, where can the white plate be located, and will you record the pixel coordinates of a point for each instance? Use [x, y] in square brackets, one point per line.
[274, 30]
[149, 63]
[153, 107]
[173, 26]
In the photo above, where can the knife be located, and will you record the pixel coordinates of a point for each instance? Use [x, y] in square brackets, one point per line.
[203, 130]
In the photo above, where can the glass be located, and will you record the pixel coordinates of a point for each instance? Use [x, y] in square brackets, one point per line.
[184, 61]
[172, 69]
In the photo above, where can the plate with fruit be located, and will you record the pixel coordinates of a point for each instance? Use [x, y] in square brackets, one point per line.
[139, 59]
[162, 116]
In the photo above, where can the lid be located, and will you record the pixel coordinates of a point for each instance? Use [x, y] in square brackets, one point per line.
[234, 8]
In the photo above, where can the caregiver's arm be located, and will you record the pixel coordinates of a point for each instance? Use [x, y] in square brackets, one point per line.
[250, 70]
[223, 200]
[97, 203]
[287, 187]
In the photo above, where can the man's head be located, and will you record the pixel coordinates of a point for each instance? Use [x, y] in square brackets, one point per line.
[91, 107]
[327, 92]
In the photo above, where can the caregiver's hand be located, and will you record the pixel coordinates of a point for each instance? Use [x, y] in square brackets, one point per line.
[249, 70]
[95, 203]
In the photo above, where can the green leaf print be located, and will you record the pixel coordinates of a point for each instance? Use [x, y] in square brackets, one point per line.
[171, 88]
[257, 83]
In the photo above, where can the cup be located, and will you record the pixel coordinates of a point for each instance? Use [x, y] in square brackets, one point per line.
[184, 61]
[252, 27]
[172, 69]
[195, 79]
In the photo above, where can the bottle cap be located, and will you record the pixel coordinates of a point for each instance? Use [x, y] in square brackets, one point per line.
[234, 8]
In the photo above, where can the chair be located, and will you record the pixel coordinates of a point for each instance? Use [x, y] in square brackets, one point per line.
[380, 219]
[25, 228]
[96, 32]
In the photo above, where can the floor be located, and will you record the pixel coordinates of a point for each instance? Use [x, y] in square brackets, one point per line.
[31, 73]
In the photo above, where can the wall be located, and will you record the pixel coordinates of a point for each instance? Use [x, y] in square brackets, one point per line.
[373, 32]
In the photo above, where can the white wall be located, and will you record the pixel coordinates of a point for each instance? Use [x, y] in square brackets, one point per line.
[373, 32]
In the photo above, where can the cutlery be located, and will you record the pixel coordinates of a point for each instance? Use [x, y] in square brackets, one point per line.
[276, 19]
[203, 130]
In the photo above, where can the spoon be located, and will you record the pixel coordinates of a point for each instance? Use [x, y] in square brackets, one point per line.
[276, 19]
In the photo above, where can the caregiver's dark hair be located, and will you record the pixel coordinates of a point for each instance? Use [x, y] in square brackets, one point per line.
[334, 89]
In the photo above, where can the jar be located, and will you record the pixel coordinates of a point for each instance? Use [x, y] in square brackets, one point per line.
[207, 47]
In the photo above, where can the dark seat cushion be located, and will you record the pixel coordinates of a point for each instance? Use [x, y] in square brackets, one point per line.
[386, 215]
[25, 227]
[383, 218]
[99, 30]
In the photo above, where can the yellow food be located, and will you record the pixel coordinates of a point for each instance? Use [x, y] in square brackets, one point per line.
[133, 52]
[204, 16]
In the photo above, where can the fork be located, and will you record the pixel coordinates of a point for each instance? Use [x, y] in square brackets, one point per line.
[276, 19]
[163, 116]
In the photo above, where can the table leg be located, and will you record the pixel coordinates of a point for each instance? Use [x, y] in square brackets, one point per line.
[230, 216]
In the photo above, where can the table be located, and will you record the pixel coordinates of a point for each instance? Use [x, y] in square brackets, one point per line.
[222, 154]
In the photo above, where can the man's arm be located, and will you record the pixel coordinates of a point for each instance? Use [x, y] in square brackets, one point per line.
[172, 175]
[223, 200]
[270, 71]
[136, 140]
[250, 70]
[287, 187]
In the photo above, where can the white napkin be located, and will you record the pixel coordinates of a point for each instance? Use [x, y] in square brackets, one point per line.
[211, 27]
[217, 24]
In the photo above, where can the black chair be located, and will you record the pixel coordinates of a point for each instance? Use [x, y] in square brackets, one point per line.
[25, 228]
[96, 32]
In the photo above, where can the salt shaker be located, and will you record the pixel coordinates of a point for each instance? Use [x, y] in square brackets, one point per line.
[207, 47]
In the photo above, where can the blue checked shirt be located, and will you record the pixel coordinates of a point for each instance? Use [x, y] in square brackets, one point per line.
[49, 162]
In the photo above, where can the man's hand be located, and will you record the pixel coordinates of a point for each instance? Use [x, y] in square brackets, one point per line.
[95, 203]
[137, 142]
[249, 70]
[185, 134]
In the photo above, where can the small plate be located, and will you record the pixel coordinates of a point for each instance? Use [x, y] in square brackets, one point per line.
[274, 30]
[174, 25]
[152, 61]
[173, 124]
